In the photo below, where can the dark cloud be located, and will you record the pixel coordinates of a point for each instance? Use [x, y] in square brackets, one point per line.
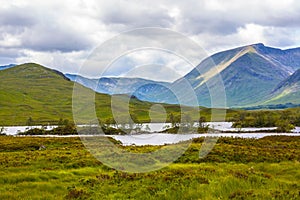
[41, 31]
[17, 17]
[10, 52]
[225, 17]
[8, 55]
[52, 38]
[137, 14]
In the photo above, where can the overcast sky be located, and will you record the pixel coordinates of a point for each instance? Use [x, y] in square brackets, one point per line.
[61, 34]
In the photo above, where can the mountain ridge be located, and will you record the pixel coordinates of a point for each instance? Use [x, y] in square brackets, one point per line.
[113, 85]
[251, 75]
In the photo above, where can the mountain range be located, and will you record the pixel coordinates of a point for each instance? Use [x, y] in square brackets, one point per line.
[251, 75]
[113, 85]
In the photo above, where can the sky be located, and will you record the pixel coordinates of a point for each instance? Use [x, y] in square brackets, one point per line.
[63, 34]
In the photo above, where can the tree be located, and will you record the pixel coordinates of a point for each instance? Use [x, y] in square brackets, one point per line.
[202, 128]
[202, 121]
[60, 122]
[29, 122]
[296, 120]
[2, 129]
[66, 122]
[147, 128]
[187, 121]
[259, 120]
[284, 126]
[172, 119]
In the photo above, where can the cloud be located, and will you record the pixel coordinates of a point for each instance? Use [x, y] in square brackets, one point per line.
[61, 34]
[155, 72]
[136, 14]
[150, 64]
[71, 61]
[40, 31]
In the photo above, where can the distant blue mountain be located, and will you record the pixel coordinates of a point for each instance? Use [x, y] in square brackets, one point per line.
[249, 73]
[252, 75]
[111, 85]
[7, 66]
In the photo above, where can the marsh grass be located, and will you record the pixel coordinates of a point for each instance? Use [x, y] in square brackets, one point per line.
[267, 168]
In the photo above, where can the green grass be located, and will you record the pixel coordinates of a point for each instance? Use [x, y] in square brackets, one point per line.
[267, 168]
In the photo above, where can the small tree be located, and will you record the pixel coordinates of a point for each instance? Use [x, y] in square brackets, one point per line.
[284, 126]
[66, 122]
[29, 122]
[202, 128]
[130, 124]
[202, 121]
[60, 122]
[187, 121]
[147, 128]
[172, 119]
[2, 129]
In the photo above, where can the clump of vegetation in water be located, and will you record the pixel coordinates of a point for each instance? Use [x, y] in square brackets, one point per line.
[65, 127]
[186, 125]
[284, 120]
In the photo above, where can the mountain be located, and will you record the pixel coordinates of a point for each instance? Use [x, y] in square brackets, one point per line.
[288, 91]
[249, 75]
[7, 66]
[111, 85]
[45, 95]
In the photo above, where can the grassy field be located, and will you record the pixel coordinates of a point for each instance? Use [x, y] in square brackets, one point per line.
[267, 168]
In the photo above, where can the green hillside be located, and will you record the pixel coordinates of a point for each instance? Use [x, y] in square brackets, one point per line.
[30, 90]
[33, 91]
[45, 95]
